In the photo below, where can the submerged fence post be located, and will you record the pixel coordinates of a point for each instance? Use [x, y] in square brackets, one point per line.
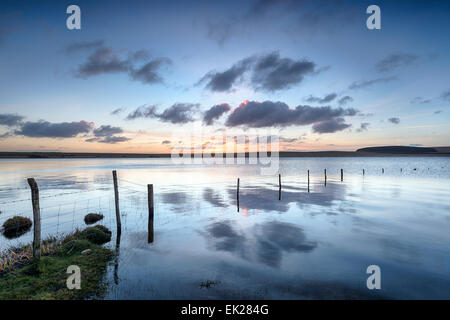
[325, 174]
[342, 175]
[382, 170]
[116, 198]
[151, 212]
[36, 218]
[364, 172]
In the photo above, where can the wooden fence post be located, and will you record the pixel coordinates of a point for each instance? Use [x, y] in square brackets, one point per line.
[342, 175]
[237, 194]
[151, 212]
[36, 218]
[116, 198]
[279, 186]
[325, 174]
[364, 172]
[308, 181]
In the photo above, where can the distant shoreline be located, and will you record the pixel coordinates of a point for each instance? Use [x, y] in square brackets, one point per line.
[283, 154]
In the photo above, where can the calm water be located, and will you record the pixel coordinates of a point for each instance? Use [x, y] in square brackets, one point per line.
[305, 246]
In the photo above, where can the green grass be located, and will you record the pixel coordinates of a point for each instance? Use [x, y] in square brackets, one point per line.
[46, 278]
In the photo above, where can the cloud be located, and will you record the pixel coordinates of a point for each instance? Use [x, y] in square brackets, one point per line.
[148, 73]
[105, 61]
[84, 45]
[266, 114]
[368, 83]
[223, 81]
[328, 98]
[114, 139]
[215, 112]
[420, 100]
[178, 113]
[166, 142]
[107, 134]
[446, 95]
[117, 111]
[273, 73]
[107, 130]
[269, 72]
[330, 126]
[10, 120]
[394, 120]
[395, 61]
[142, 112]
[45, 129]
[363, 127]
[437, 111]
[345, 100]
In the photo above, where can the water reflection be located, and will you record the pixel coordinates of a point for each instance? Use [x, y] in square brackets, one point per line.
[265, 242]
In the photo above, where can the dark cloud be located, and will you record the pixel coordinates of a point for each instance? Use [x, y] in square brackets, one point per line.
[288, 140]
[142, 112]
[273, 73]
[84, 45]
[223, 81]
[368, 83]
[45, 129]
[107, 134]
[177, 113]
[328, 98]
[166, 142]
[266, 114]
[5, 135]
[269, 72]
[345, 100]
[437, 111]
[394, 120]
[330, 126]
[395, 61]
[103, 60]
[363, 127]
[10, 120]
[420, 100]
[148, 73]
[446, 95]
[107, 130]
[117, 111]
[215, 112]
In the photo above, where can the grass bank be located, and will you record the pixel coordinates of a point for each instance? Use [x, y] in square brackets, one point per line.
[46, 278]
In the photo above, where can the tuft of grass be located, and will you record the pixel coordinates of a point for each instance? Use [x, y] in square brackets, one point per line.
[91, 218]
[98, 234]
[46, 278]
[16, 226]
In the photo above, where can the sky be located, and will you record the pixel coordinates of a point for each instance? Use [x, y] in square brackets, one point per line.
[139, 76]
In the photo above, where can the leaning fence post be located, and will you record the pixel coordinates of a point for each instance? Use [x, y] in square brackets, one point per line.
[151, 212]
[116, 198]
[36, 218]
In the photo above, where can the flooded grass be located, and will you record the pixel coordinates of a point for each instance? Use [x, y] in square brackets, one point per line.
[46, 278]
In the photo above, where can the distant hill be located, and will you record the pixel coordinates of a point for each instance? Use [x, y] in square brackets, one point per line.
[398, 150]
